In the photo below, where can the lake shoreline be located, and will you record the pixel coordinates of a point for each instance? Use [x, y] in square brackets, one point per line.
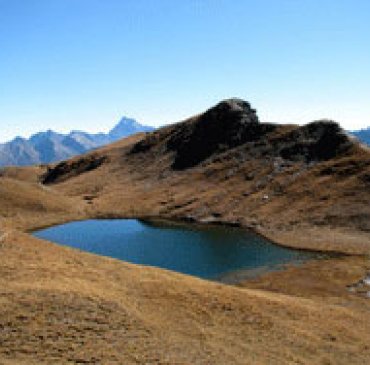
[188, 248]
[179, 220]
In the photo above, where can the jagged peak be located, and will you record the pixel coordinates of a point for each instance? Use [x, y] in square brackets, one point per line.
[128, 121]
[127, 126]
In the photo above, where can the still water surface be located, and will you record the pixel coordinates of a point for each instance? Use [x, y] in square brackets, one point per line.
[205, 251]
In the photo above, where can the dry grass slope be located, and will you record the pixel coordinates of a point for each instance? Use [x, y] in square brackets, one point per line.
[58, 305]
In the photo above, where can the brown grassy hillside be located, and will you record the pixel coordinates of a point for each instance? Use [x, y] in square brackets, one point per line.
[301, 186]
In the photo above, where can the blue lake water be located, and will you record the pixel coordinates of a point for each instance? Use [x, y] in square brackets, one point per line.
[204, 251]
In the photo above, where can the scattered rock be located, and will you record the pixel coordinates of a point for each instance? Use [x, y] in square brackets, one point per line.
[367, 280]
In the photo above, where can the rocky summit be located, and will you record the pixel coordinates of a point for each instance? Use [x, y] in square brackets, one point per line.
[232, 123]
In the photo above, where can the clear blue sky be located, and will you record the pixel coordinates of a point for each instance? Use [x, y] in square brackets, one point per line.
[82, 64]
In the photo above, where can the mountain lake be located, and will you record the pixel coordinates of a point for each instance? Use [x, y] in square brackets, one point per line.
[219, 253]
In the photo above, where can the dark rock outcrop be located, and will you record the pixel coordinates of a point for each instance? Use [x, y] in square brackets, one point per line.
[68, 169]
[233, 123]
[316, 141]
[229, 124]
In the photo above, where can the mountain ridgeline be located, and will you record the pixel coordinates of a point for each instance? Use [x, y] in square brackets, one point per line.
[363, 135]
[233, 123]
[225, 165]
[47, 147]
[230, 128]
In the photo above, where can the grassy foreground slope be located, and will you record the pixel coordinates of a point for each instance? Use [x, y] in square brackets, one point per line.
[59, 305]
[62, 306]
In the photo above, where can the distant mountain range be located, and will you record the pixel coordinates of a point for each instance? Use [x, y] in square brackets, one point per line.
[50, 146]
[363, 135]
